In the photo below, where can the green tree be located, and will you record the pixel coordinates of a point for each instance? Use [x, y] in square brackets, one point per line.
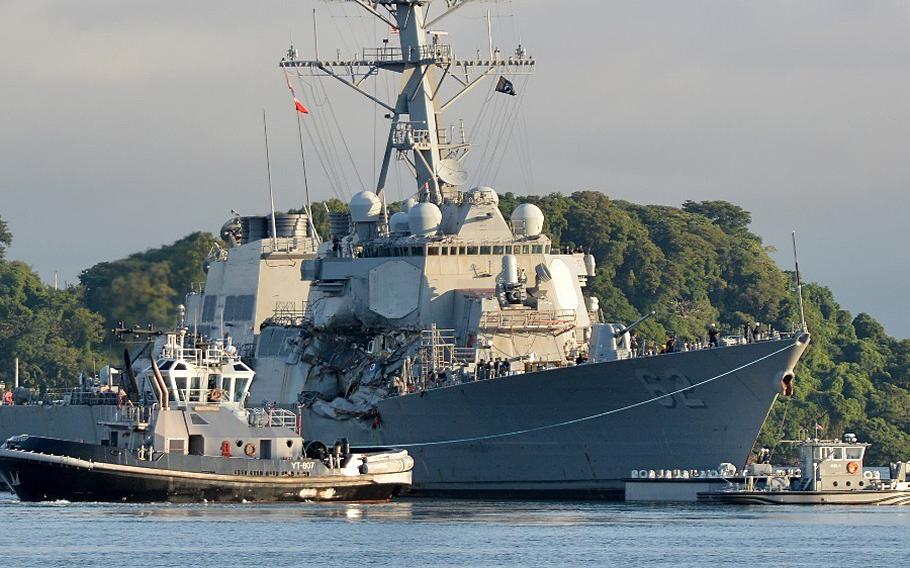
[731, 218]
[146, 287]
[51, 332]
[6, 238]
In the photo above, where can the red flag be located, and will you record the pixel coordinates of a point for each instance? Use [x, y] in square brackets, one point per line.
[299, 106]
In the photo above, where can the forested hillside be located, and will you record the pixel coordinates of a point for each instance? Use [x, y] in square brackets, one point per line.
[694, 265]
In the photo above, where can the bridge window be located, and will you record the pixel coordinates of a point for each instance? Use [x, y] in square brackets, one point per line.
[498, 250]
[485, 250]
[537, 249]
[854, 453]
[525, 249]
[462, 251]
[472, 250]
[432, 251]
[416, 251]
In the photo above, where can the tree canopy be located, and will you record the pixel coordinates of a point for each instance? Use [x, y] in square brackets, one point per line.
[54, 335]
[6, 238]
[146, 287]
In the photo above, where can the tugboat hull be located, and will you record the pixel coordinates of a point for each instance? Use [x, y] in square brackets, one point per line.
[35, 476]
[864, 497]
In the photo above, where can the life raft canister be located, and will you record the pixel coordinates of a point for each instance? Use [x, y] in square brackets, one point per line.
[249, 450]
[225, 449]
[852, 467]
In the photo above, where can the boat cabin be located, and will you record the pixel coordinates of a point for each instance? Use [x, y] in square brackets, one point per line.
[203, 374]
[195, 405]
[832, 464]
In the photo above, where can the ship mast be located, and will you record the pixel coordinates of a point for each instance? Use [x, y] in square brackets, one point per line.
[418, 130]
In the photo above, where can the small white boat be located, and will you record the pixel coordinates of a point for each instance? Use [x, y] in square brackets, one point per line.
[832, 473]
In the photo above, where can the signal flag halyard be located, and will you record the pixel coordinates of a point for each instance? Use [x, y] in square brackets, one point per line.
[298, 106]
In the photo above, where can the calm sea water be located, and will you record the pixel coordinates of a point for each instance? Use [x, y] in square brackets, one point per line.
[423, 532]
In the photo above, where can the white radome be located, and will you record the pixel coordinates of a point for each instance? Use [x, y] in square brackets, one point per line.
[398, 223]
[424, 219]
[527, 220]
[365, 207]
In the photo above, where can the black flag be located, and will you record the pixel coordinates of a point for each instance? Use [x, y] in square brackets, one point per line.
[505, 86]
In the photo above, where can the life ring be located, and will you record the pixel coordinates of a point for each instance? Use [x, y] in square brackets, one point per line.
[249, 450]
[225, 449]
[852, 467]
[215, 395]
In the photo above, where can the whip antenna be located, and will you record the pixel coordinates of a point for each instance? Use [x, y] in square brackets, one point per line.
[799, 287]
[268, 169]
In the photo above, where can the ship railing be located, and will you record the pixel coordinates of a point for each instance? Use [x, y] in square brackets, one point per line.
[437, 52]
[528, 320]
[290, 313]
[125, 415]
[407, 135]
[287, 245]
[465, 355]
[84, 397]
[282, 418]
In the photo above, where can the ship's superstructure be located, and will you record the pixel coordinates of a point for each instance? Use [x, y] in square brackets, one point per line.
[255, 278]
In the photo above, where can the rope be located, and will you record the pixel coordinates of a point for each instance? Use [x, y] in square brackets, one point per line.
[592, 416]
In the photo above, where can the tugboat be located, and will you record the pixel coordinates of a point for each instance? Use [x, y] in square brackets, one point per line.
[831, 473]
[183, 433]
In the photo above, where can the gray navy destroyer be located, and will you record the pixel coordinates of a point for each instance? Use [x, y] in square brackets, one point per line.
[447, 330]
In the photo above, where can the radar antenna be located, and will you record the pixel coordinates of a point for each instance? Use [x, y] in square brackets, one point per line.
[430, 150]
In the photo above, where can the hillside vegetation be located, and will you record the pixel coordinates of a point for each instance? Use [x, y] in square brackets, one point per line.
[694, 265]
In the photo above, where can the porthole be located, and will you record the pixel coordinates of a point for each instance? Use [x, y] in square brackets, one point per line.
[239, 443]
[849, 484]
[835, 484]
[290, 443]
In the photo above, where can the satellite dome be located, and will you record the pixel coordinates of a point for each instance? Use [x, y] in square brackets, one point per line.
[365, 206]
[527, 220]
[424, 219]
[398, 224]
[408, 203]
[484, 193]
